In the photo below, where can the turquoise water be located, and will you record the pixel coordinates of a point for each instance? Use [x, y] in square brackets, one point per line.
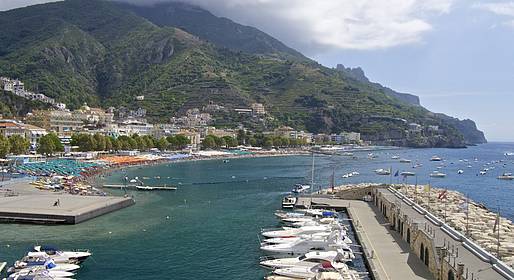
[219, 208]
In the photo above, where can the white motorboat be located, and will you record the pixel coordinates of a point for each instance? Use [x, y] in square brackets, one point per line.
[404, 160]
[382, 171]
[41, 272]
[435, 158]
[407, 174]
[29, 263]
[55, 253]
[309, 259]
[304, 272]
[288, 202]
[315, 236]
[395, 157]
[506, 176]
[509, 154]
[290, 231]
[460, 171]
[283, 214]
[302, 246]
[437, 174]
[299, 188]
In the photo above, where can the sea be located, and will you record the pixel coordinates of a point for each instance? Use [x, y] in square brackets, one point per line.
[209, 227]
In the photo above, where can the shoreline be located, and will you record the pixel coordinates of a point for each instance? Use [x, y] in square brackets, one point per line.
[93, 178]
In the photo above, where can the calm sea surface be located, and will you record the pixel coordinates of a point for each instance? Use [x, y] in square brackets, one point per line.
[219, 208]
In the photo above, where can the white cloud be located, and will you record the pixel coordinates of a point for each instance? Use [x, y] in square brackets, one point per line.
[342, 24]
[499, 8]
[502, 9]
[313, 25]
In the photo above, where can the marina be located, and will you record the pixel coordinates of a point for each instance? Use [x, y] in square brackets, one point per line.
[235, 200]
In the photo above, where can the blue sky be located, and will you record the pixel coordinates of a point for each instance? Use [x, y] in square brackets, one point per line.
[457, 55]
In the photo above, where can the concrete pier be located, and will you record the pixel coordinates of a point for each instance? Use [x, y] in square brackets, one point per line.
[401, 240]
[387, 256]
[72, 209]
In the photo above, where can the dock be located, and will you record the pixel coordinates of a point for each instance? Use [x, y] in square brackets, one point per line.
[70, 209]
[2, 266]
[402, 241]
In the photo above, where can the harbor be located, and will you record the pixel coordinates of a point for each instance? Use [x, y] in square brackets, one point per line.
[214, 217]
[402, 239]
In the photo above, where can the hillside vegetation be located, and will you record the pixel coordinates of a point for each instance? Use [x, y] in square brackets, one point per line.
[104, 54]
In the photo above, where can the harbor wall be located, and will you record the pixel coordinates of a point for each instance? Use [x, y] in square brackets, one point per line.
[443, 260]
[82, 217]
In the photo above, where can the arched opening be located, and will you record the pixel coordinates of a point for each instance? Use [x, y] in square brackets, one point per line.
[422, 252]
[451, 276]
[426, 256]
[408, 235]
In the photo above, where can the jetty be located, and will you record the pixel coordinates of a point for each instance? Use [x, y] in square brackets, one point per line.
[58, 208]
[2, 266]
[401, 239]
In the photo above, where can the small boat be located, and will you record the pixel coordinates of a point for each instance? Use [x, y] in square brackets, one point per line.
[506, 176]
[460, 171]
[509, 154]
[404, 160]
[437, 174]
[435, 158]
[299, 188]
[289, 202]
[382, 171]
[54, 253]
[395, 157]
[155, 188]
[372, 156]
[407, 173]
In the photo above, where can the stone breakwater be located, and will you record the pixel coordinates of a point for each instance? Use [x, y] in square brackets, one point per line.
[470, 218]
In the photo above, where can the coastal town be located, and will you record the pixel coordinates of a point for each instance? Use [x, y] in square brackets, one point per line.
[162, 139]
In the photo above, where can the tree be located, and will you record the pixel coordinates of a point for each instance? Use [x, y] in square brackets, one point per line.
[268, 142]
[230, 141]
[56, 141]
[209, 142]
[99, 142]
[46, 145]
[162, 144]
[108, 144]
[182, 141]
[241, 137]
[18, 145]
[5, 146]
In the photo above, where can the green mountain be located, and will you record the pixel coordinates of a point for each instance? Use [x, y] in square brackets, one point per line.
[106, 54]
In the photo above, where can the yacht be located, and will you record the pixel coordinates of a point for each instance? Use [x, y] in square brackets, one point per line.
[301, 246]
[299, 188]
[54, 253]
[30, 263]
[303, 272]
[509, 154]
[34, 273]
[437, 174]
[407, 173]
[383, 171]
[435, 158]
[506, 176]
[288, 202]
[315, 236]
[290, 231]
[309, 259]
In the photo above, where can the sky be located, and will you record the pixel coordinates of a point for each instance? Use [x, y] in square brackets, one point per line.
[456, 55]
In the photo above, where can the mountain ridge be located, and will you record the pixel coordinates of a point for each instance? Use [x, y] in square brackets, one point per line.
[107, 56]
